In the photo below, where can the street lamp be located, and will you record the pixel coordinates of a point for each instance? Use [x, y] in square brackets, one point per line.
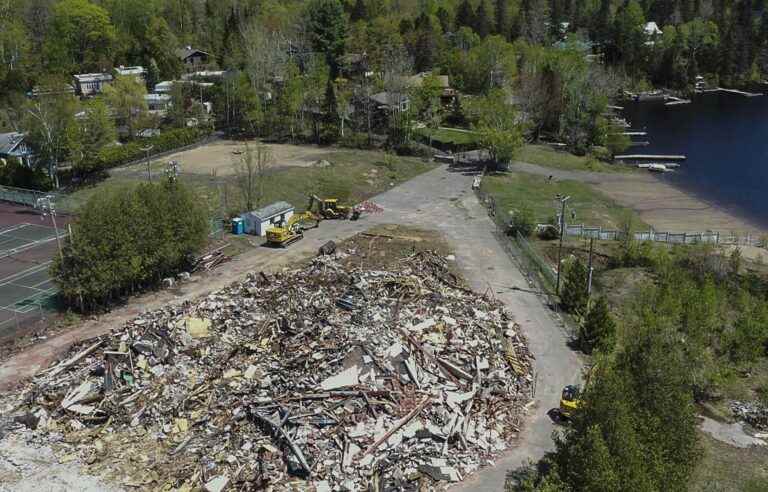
[47, 206]
[149, 168]
[562, 233]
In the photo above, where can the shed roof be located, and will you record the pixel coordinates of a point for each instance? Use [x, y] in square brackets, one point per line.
[92, 77]
[270, 211]
[390, 98]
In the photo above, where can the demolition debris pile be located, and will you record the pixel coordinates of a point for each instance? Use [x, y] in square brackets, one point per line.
[326, 377]
[752, 413]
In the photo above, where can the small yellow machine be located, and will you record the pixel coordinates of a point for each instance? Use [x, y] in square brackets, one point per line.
[291, 231]
[569, 401]
[329, 208]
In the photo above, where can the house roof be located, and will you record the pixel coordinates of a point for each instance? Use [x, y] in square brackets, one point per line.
[92, 77]
[418, 79]
[389, 98]
[188, 51]
[270, 211]
[9, 141]
[131, 70]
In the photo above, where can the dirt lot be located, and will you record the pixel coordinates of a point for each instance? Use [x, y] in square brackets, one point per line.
[218, 157]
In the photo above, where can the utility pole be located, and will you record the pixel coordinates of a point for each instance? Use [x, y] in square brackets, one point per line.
[149, 167]
[589, 268]
[562, 233]
[47, 206]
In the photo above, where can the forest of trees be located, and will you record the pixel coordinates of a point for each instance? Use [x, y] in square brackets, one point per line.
[306, 69]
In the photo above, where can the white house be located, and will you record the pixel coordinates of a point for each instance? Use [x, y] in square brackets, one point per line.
[158, 103]
[164, 87]
[89, 84]
[258, 221]
[139, 73]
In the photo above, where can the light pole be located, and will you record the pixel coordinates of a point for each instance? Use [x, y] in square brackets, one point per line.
[562, 233]
[149, 168]
[47, 206]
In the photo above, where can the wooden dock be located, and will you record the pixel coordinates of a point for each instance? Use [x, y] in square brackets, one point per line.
[677, 102]
[635, 134]
[643, 157]
[639, 144]
[730, 91]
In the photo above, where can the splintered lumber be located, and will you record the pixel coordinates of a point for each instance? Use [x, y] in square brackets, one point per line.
[411, 415]
[60, 367]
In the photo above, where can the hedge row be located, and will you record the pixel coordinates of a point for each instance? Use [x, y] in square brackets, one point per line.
[116, 155]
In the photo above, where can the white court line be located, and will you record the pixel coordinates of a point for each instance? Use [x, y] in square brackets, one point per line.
[13, 228]
[13, 277]
[28, 246]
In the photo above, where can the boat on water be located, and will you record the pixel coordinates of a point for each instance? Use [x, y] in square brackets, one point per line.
[657, 168]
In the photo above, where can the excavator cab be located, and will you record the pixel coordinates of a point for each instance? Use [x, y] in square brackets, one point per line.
[569, 400]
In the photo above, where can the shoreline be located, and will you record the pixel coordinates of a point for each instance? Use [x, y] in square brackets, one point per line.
[665, 206]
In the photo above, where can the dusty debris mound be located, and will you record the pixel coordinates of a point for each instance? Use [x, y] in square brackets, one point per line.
[323, 377]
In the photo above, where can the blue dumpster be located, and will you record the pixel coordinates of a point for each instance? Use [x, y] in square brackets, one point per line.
[238, 226]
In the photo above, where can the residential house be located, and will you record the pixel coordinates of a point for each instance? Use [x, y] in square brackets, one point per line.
[448, 96]
[140, 73]
[158, 103]
[391, 101]
[60, 90]
[164, 87]
[12, 145]
[194, 60]
[90, 84]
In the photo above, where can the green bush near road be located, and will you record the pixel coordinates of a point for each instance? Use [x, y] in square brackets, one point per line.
[115, 155]
[128, 239]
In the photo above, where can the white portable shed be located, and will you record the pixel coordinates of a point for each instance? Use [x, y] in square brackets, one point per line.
[258, 221]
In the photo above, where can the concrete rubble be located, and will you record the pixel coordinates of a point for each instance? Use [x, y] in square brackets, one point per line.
[753, 413]
[411, 383]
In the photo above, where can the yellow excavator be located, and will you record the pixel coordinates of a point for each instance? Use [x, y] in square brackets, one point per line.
[330, 208]
[570, 399]
[291, 231]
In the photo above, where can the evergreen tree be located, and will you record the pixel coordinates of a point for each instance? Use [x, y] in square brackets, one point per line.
[599, 329]
[359, 11]
[444, 18]
[502, 18]
[465, 15]
[482, 25]
[327, 28]
[573, 293]
[330, 114]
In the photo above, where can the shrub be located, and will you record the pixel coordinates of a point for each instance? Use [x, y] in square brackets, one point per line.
[573, 292]
[522, 222]
[126, 240]
[598, 330]
[116, 155]
[14, 173]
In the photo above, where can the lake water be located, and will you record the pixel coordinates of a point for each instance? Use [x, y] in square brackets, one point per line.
[725, 137]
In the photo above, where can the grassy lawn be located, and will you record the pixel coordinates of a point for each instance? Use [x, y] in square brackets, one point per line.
[449, 136]
[512, 191]
[726, 468]
[353, 176]
[546, 156]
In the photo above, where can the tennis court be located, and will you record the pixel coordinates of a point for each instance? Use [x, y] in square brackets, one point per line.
[26, 250]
